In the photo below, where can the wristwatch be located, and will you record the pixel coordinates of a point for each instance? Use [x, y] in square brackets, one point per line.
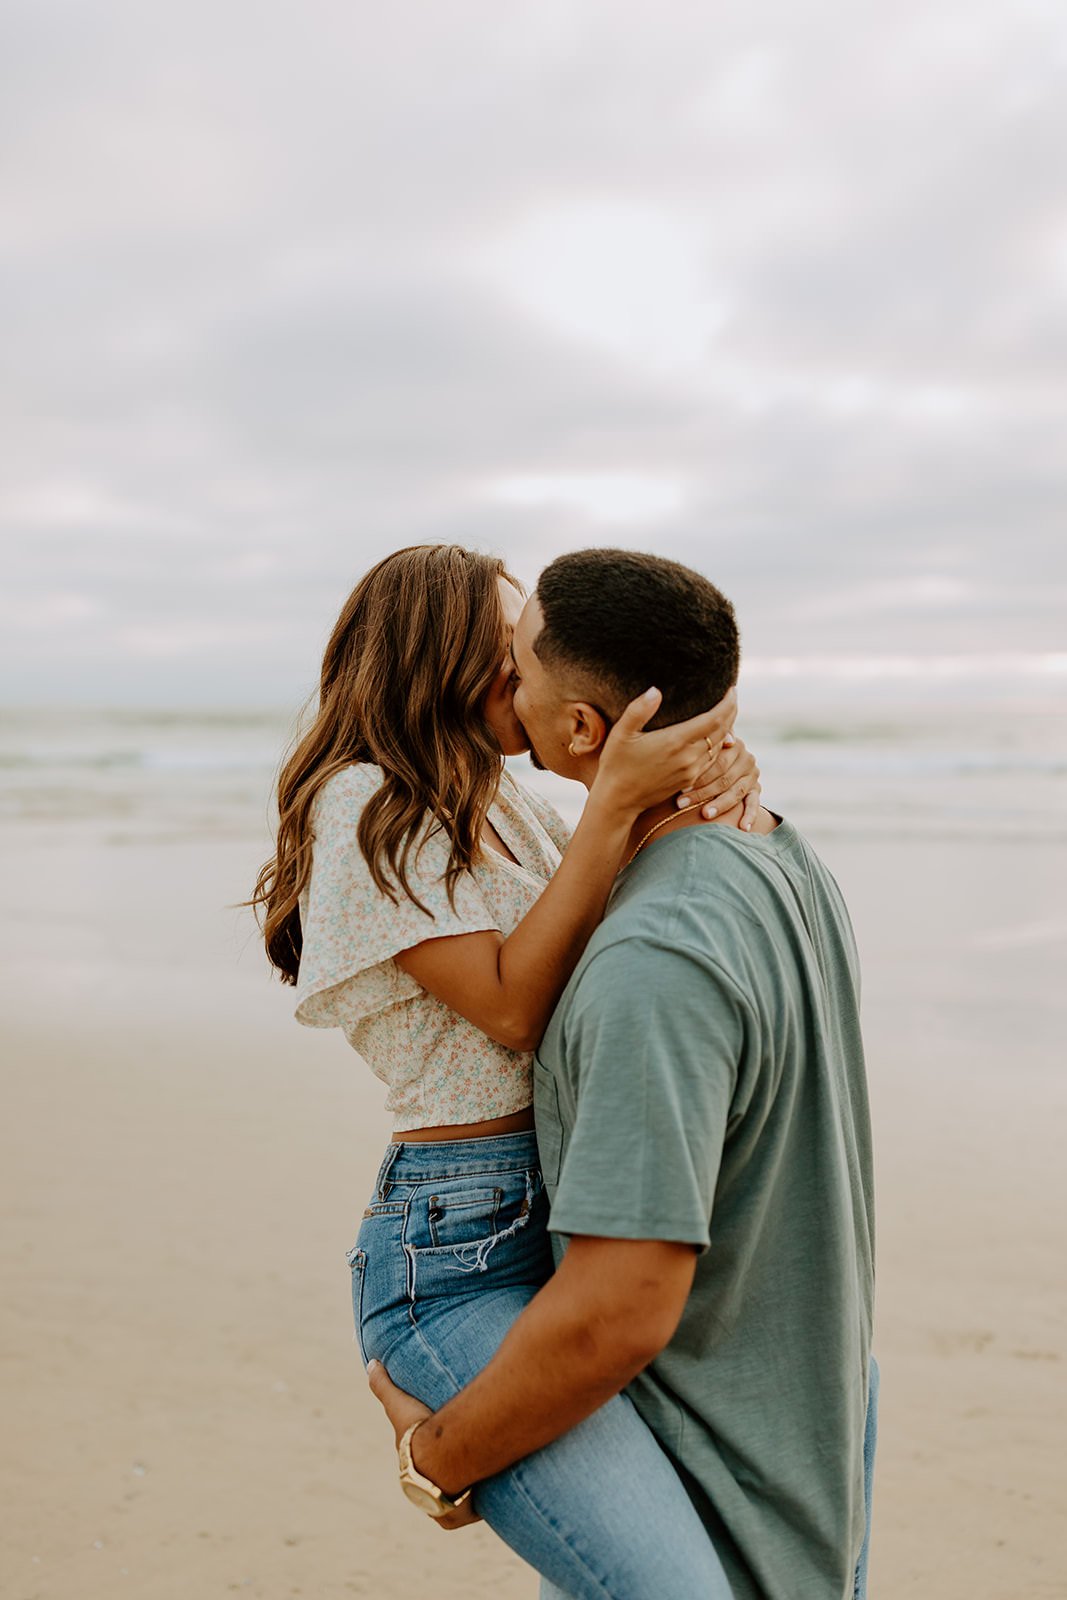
[419, 1490]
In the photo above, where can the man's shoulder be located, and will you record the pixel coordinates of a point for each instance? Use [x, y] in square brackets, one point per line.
[718, 868]
[702, 899]
[636, 957]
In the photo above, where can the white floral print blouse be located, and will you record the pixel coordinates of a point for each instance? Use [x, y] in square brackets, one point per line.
[439, 1068]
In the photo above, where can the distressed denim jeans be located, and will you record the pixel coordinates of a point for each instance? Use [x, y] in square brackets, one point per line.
[870, 1443]
[453, 1245]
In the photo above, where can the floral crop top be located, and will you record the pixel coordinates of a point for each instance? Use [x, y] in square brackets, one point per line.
[439, 1068]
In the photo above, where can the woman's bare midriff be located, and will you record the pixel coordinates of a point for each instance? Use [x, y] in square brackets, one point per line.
[517, 1122]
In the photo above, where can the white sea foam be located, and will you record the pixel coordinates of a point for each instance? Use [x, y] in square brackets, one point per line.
[832, 754]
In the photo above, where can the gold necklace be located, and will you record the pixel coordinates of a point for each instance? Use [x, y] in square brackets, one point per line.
[662, 823]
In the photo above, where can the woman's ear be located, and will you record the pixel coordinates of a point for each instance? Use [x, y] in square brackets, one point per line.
[588, 730]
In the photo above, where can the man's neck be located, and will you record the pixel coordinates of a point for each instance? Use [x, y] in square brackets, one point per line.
[667, 819]
[674, 819]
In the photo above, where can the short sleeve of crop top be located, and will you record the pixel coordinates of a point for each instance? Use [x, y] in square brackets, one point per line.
[351, 930]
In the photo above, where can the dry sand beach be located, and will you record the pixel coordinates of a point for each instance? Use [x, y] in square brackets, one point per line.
[183, 1168]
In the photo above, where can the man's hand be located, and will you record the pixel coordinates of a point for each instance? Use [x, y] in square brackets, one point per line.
[403, 1409]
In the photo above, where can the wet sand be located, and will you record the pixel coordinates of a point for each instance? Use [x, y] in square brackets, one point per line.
[183, 1169]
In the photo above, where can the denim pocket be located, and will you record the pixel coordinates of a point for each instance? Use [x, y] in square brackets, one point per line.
[463, 1217]
[490, 1227]
[357, 1261]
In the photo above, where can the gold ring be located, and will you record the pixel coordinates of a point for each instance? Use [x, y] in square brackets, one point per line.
[709, 741]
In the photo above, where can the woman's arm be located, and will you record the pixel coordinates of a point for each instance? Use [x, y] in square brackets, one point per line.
[508, 987]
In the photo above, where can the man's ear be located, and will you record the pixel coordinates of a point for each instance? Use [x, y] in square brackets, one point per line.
[588, 730]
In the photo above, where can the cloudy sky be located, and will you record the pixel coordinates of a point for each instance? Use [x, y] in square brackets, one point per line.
[777, 289]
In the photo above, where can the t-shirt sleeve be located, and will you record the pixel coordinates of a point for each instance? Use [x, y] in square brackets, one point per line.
[650, 1051]
[351, 930]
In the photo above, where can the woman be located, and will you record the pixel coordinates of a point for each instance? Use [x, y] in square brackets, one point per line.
[425, 904]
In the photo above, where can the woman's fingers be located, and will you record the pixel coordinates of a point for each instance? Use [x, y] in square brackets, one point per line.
[640, 768]
[708, 786]
[709, 729]
[732, 797]
[640, 711]
[752, 809]
[711, 725]
[729, 767]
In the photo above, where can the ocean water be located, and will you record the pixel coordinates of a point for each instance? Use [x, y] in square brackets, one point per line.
[140, 775]
[866, 758]
[129, 840]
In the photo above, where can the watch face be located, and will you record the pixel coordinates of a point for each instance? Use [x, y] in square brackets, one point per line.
[421, 1498]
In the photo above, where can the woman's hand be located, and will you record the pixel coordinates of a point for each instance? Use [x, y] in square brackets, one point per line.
[699, 761]
[732, 777]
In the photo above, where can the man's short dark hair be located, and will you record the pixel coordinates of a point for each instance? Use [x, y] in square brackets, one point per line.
[620, 621]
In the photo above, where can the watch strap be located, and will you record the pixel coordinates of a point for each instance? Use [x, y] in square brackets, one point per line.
[409, 1473]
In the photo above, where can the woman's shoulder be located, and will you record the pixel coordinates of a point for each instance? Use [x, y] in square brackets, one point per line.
[337, 809]
[349, 787]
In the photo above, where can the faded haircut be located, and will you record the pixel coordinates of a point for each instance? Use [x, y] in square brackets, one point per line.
[618, 621]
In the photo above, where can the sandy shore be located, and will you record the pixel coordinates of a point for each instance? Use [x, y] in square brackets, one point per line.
[183, 1169]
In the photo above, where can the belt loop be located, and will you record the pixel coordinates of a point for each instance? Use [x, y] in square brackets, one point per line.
[384, 1170]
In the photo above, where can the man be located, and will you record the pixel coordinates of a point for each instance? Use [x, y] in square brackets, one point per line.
[703, 1126]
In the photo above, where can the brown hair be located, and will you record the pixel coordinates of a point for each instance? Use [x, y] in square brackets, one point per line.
[415, 650]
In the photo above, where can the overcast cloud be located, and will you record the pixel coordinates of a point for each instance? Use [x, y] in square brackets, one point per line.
[780, 290]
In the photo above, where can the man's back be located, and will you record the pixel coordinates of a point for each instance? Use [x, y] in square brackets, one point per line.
[702, 1080]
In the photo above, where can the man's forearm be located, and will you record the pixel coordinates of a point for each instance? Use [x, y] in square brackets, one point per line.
[562, 1359]
[611, 1307]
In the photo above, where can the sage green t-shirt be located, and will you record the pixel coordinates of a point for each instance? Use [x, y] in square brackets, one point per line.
[702, 1080]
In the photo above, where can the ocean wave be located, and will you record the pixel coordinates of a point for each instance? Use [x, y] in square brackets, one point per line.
[138, 760]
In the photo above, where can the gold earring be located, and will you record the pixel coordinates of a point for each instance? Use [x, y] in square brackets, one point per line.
[570, 748]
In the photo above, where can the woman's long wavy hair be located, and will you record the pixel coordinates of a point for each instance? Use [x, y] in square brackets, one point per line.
[414, 652]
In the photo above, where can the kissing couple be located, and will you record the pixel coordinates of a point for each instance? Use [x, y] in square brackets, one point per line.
[614, 1280]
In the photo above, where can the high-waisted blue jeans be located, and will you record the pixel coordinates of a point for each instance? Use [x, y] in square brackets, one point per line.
[453, 1245]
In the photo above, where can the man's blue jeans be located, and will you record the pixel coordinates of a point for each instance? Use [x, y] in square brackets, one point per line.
[870, 1445]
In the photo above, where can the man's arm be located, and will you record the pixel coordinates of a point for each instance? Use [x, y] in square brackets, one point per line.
[654, 1034]
[604, 1315]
